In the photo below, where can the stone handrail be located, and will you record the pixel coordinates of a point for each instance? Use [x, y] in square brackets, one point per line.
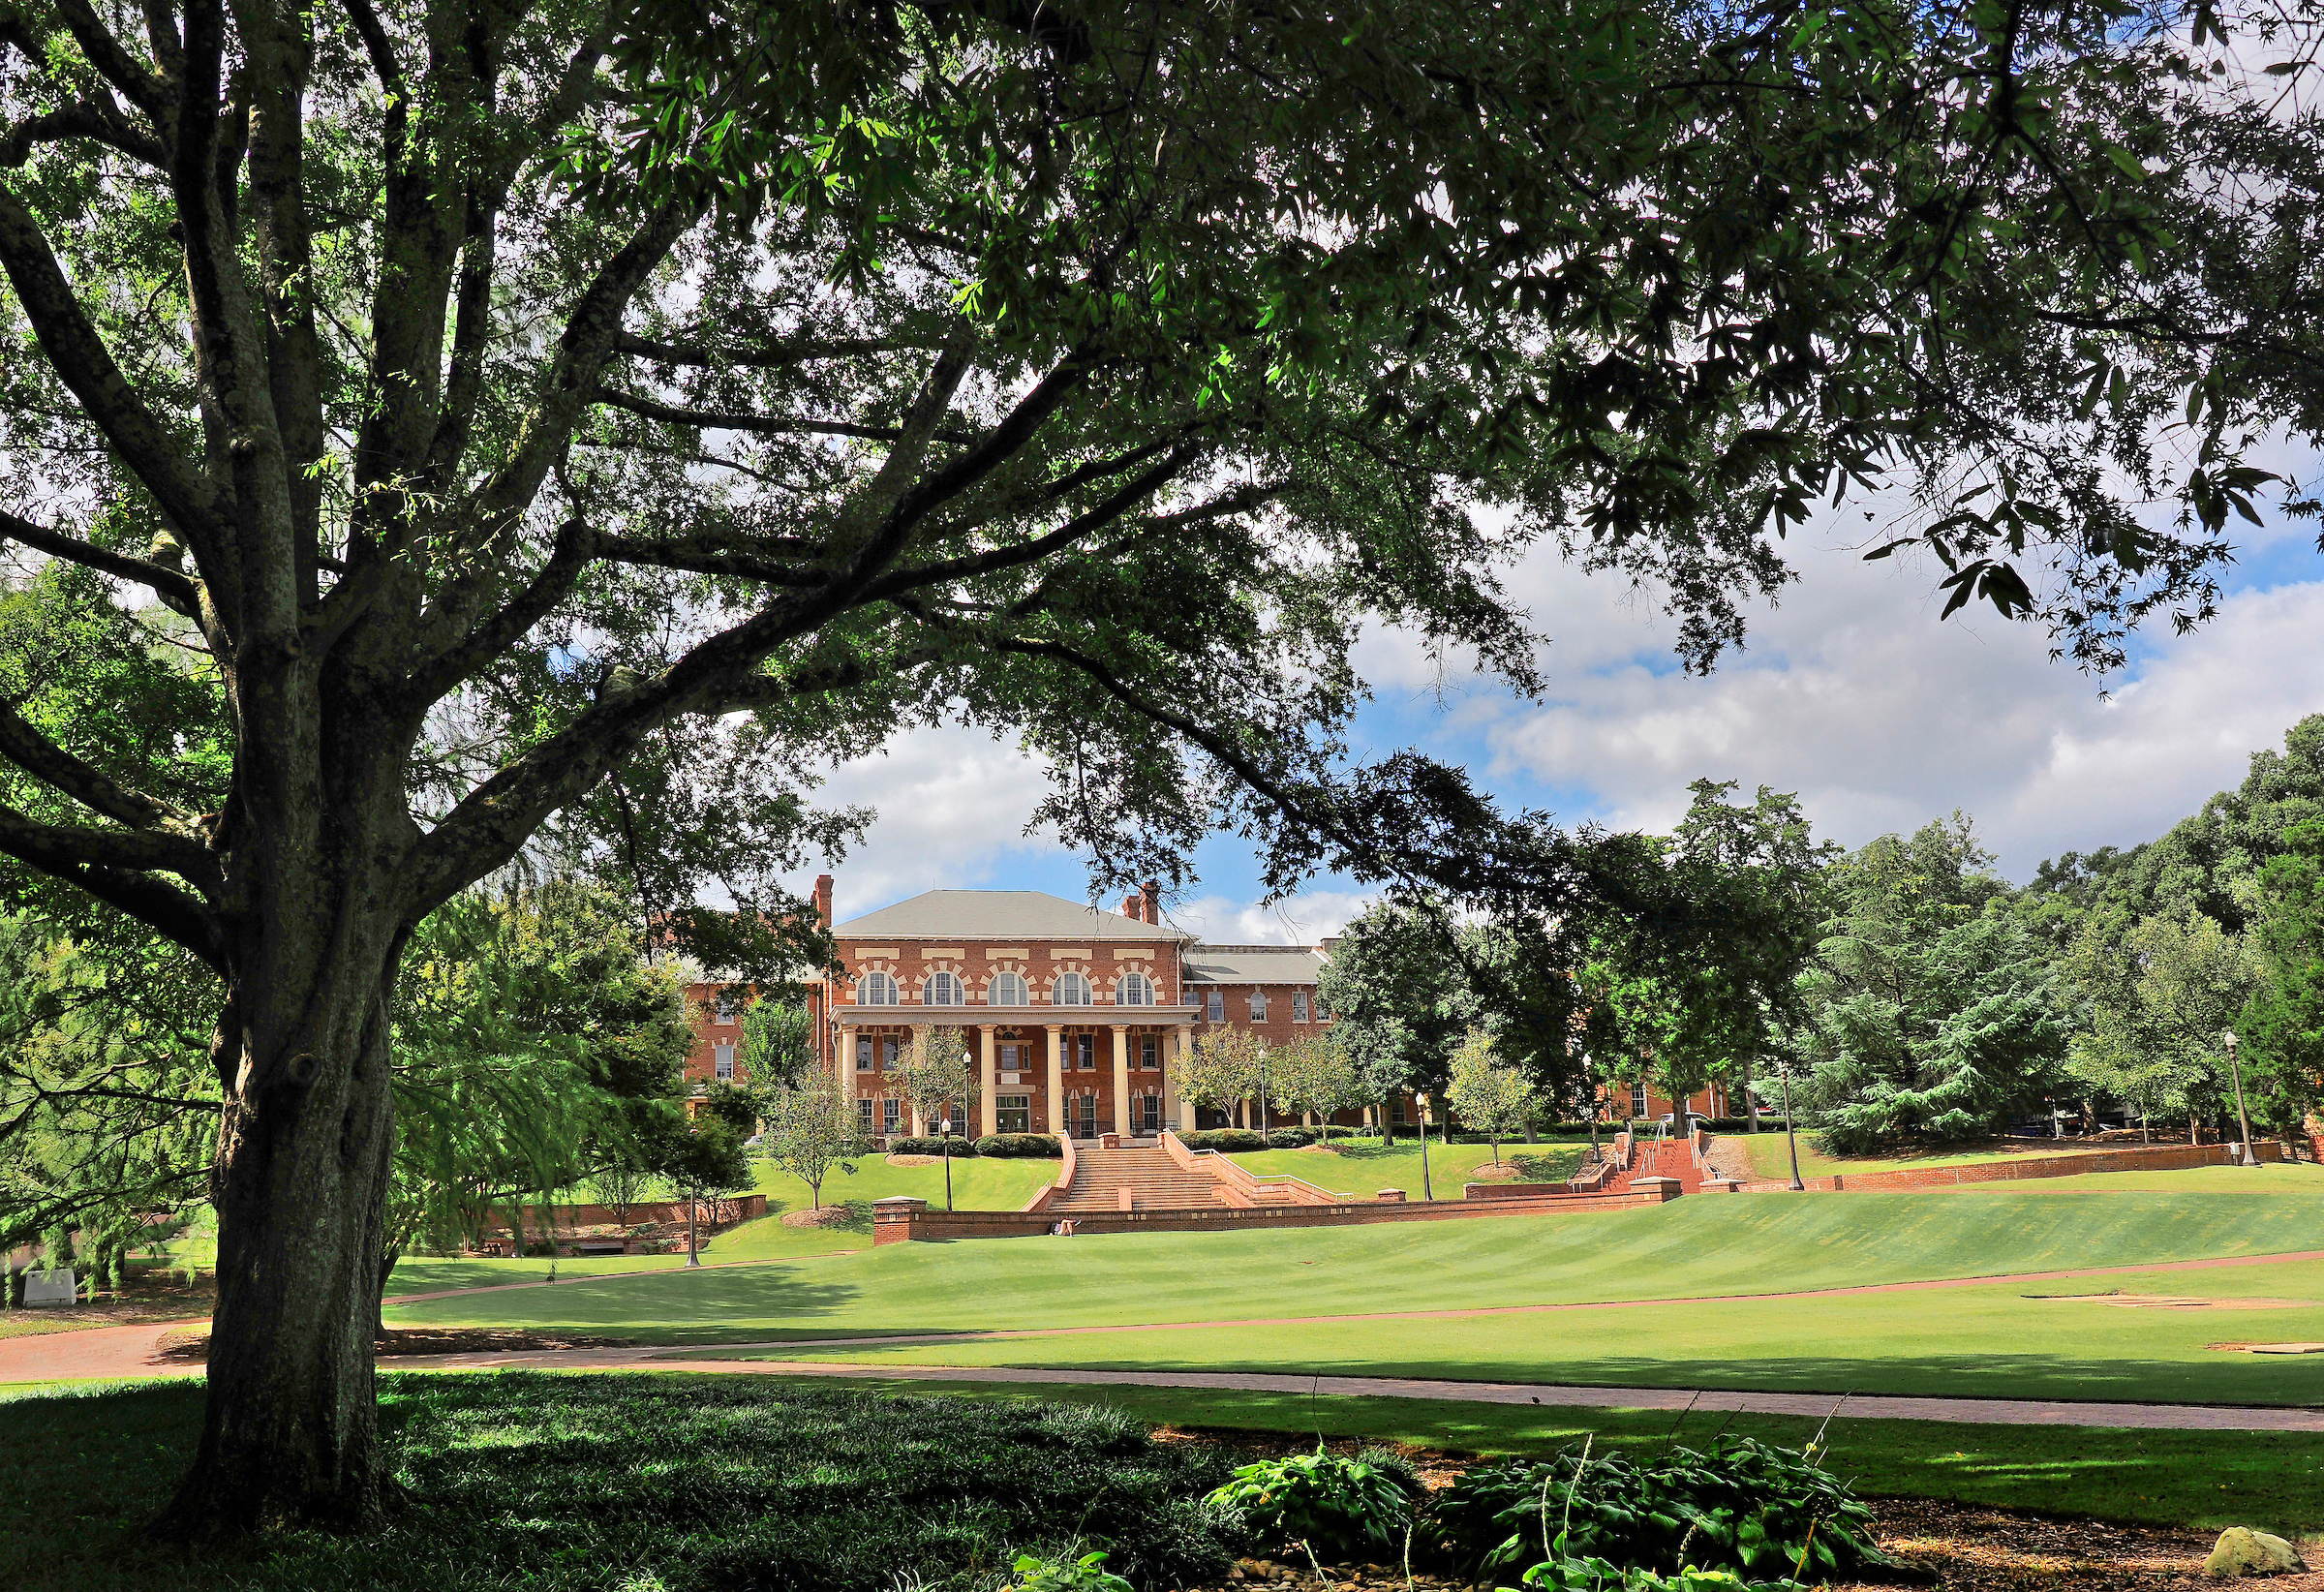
[1048, 1193]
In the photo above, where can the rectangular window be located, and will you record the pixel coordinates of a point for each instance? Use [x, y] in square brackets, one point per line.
[1258, 1005]
[724, 1060]
[1008, 1058]
[888, 1051]
[1088, 1112]
[891, 1112]
[1084, 1052]
[1218, 1005]
[863, 1115]
[725, 1006]
[1012, 1113]
[1149, 1112]
[1298, 1005]
[1150, 1052]
[863, 1059]
[1637, 1100]
[1403, 1111]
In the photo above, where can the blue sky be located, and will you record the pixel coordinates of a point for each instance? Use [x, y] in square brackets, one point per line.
[1850, 692]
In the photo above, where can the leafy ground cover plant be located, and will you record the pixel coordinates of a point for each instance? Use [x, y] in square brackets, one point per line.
[1743, 1505]
[1566, 1573]
[1086, 1574]
[1336, 1505]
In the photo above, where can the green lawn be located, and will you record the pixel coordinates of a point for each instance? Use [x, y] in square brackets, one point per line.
[1695, 1248]
[1971, 1342]
[1363, 1168]
[2205, 1481]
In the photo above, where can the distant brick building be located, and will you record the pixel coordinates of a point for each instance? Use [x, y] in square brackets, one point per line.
[1070, 1015]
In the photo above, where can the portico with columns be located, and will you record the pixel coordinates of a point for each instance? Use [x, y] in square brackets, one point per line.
[1070, 1016]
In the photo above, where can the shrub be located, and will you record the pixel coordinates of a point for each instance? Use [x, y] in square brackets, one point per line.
[933, 1145]
[1029, 1146]
[1226, 1140]
[1290, 1139]
[1337, 1505]
[1744, 1506]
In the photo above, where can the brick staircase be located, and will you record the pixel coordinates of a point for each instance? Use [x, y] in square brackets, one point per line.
[1150, 1178]
[1666, 1158]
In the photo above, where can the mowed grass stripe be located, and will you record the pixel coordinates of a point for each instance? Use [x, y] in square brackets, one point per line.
[1698, 1247]
[1983, 1342]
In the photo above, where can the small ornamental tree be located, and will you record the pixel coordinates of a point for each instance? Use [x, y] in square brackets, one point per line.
[1315, 1073]
[1220, 1069]
[938, 1074]
[810, 1129]
[1490, 1097]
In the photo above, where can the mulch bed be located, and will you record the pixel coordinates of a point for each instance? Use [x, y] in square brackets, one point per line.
[194, 1346]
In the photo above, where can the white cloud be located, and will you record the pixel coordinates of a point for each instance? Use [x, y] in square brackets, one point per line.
[1303, 920]
[1855, 696]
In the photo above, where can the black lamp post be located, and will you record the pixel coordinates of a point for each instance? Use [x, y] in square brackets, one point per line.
[1783, 1070]
[1427, 1189]
[944, 1128]
[2242, 1116]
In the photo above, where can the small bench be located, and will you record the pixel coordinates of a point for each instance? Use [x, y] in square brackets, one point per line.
[601, 1247]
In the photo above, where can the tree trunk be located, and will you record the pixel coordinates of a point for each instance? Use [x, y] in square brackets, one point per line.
[289, 1431]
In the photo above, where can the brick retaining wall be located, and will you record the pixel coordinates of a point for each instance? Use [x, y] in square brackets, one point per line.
[2144, 1158]
[897, 1221]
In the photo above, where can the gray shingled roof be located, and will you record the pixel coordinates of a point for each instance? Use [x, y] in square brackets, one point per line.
[998, 915]
[1252, 964]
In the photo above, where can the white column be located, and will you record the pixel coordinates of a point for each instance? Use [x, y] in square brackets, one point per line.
[1121, 1080]
[1170, 1084]
[1056, 1080]
[988, 1052]
[844, 1064]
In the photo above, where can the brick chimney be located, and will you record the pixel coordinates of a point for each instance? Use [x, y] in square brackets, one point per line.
[1149, 901]
[823, 898]
[1130, 908]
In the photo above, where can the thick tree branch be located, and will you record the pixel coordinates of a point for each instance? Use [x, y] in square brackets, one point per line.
[85, 365]
[111, 58]
[575, 547]
[79, 121]
[762, 424]
[172, 588]
[779, 561]
[804, 352]
[69, 854]
[91, 787]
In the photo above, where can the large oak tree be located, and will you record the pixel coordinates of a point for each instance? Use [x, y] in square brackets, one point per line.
[585, 417]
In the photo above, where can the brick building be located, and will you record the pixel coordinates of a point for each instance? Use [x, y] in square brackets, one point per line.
[1070, 1015]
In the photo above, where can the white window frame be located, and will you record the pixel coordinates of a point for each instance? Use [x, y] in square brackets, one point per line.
[1637, 1101]
[864, 1055]
[875, 984]
[1217, 1007]
[1150, 1052]
[941, 986]
[1258, 1005]
[1012, 985]
[1299, 1006]
[1134, 989]
[1076, 983]
[722, 1060]
[1013, 1108]
[891, 1114]
[863, 1115]
[725, 1008]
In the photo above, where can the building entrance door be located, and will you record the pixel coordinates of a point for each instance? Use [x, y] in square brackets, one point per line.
[1085, 1118]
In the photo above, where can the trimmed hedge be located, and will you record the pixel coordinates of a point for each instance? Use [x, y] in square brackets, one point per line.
[1026, 1146]
[1225, 1139]
[1290, 1139]
[933, 1145]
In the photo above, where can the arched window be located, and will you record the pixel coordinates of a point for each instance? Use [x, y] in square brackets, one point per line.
[1135, 990]
[943, 989]
[875, 990]
[1008, 990]
[1073, 990]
